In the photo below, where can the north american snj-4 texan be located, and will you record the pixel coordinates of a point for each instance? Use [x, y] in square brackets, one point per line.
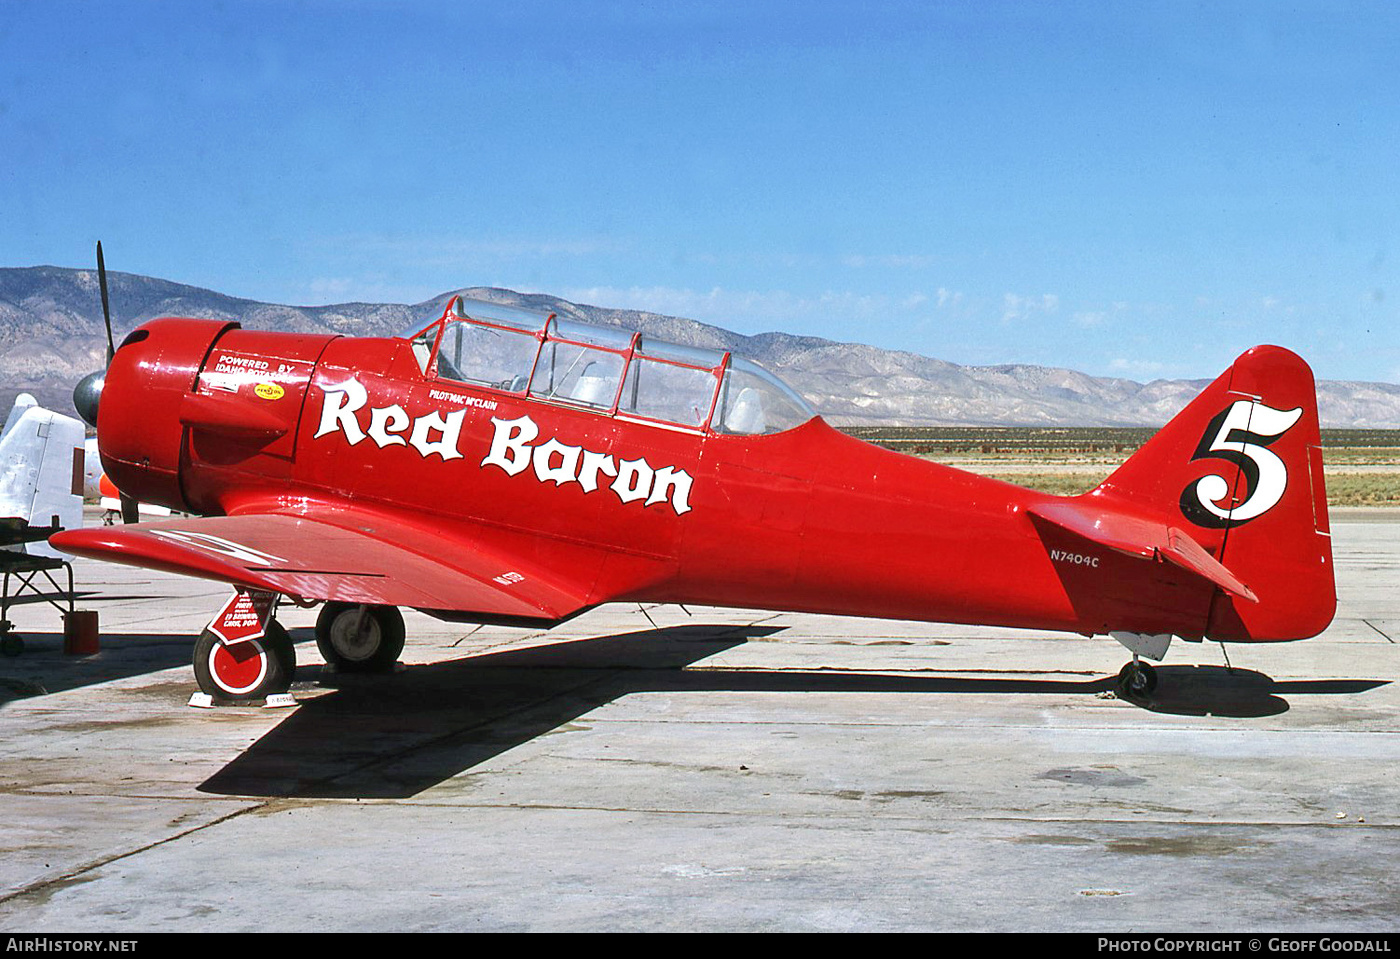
[498, 466]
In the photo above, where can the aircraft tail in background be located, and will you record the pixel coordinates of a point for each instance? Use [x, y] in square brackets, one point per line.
[41, 470]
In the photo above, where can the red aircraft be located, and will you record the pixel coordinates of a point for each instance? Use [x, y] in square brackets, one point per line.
[506, 467]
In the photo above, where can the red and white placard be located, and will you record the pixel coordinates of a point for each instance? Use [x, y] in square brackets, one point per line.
[245, 616]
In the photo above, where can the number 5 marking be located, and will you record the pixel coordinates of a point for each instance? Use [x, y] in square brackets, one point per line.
[1240, 434]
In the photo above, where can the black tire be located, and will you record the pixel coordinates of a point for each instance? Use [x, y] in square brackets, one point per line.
[245, 671]
[1137, 680]
[285, 651]
[375, 649]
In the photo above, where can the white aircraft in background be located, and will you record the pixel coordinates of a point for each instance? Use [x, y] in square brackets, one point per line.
[41, 475]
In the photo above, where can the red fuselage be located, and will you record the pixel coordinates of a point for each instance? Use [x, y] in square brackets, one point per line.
[807, 519]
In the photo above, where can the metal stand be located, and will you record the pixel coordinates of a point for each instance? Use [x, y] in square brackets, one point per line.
[25, 570]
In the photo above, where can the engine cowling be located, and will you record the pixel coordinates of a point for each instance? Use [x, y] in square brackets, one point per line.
[139, 432]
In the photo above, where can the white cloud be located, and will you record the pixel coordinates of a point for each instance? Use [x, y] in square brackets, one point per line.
[1016, 307]
[1137, 368]
[357, 289]
[331, 287]
[463, 253]
[1092, 319]
[759, 310]
[719, 303]
[894, 261]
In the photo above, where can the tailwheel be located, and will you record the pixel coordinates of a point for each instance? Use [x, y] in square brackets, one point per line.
[1136, 680]
[247, 670]
[360, 639]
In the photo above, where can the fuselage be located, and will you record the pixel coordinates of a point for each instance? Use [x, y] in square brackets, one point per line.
[207, 418]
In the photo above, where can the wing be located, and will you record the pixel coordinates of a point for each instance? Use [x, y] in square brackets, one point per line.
[1146, 538]
[347, 555]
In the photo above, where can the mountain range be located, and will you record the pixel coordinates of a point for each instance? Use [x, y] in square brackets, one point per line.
[51, 334]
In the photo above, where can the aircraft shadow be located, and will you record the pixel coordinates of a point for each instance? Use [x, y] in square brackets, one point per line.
[26, 598]
[1236, 693]
[391, 737]
[380, 737]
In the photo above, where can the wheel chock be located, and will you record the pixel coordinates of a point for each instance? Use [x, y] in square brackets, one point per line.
[275, 701]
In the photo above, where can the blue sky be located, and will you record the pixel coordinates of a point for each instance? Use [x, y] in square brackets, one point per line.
[1134, 189]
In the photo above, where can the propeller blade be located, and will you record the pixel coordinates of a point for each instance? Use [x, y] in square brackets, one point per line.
[106, 309]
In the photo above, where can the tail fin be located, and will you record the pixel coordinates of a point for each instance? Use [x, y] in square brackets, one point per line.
[1240, 471]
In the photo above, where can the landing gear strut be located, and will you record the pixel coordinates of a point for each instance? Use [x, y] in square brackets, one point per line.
[360, 639]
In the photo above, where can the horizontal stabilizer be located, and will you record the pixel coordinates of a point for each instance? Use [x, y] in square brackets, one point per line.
[1146, 538]
[17, 529]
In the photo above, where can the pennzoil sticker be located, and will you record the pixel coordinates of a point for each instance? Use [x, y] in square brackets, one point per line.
[269, 391]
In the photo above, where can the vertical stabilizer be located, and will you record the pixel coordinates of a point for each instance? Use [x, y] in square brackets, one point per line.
[41, 469]
[1240, 471]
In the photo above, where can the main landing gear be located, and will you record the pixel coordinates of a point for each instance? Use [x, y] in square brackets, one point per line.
[244, 671]
[360, 639]
[352, 638]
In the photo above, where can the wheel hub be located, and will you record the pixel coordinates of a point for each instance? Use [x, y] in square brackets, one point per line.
[355, 636]
[238, 668]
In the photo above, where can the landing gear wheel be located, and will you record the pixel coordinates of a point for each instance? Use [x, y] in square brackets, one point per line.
[245, 671]
[1136, 680]
[360, 639]
[285, 651]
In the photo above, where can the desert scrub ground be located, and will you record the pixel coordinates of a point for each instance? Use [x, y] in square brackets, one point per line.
[1362, 467]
